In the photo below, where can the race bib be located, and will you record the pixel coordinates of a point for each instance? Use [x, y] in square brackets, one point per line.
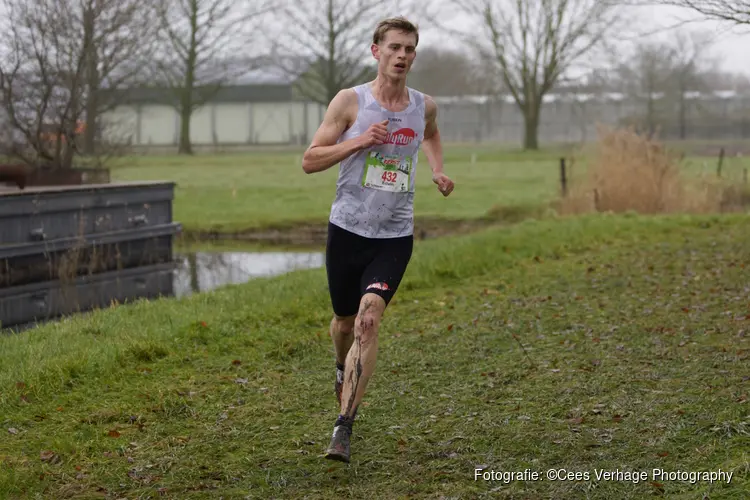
[387, 172]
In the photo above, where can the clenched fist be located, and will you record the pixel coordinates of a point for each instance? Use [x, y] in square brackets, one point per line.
[375, 134]
[444, 184]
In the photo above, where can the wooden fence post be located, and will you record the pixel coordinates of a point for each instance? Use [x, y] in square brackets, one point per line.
[563, 178]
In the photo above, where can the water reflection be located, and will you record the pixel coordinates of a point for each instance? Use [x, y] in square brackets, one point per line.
[25, 305]
[202, 271]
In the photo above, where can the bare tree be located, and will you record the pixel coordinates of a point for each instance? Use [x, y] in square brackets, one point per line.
[644, 78]
[328, 48]
[690, 65]
[30, 75]
[727, 80]
[534, 42]
[122, 39]
[733, 11]
[58, 55]
[202, 40]
[450, 71]
[662, 75]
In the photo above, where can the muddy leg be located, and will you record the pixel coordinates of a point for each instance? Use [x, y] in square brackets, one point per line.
[360, 362]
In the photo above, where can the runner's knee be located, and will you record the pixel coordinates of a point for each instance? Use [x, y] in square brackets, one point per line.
[368, 318]
[367, 327]
[344, 324]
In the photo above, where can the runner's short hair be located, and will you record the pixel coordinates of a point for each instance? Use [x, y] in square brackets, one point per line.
[394, 23]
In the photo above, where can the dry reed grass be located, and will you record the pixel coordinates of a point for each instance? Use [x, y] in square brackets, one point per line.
[628, 171]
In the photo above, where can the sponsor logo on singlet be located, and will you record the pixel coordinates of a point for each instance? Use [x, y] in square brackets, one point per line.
[401, 137]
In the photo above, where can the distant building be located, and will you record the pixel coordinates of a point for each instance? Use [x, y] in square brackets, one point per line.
[263, 108]
[244, 113]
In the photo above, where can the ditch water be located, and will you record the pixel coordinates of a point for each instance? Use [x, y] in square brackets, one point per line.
[191, 271]
[197, 272]
[66, 250]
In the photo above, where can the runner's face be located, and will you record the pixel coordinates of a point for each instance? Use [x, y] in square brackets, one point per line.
[395, 53]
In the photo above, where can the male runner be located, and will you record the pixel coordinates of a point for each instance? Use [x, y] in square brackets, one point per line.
[375, 131]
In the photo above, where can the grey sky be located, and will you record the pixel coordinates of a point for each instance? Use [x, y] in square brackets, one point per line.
[732, 44]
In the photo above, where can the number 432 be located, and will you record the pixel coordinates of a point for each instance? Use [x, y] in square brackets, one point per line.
[389, 176]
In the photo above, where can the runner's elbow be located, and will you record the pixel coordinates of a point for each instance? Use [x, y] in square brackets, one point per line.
[308, 163]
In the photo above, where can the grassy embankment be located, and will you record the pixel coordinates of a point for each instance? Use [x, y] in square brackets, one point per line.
[600, 342]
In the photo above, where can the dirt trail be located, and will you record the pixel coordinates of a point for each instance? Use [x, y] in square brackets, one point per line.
[311, 234]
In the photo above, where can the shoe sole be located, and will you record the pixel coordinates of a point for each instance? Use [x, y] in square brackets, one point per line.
[337, 457]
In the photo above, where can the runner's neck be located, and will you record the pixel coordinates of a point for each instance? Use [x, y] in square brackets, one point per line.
[390, 93]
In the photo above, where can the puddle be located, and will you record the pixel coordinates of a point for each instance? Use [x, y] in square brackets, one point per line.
[203, 271]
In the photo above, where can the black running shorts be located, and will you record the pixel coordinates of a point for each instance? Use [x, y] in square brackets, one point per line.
[357, 265]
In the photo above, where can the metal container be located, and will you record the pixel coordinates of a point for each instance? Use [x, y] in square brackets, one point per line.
[42, 301]
[66, 258]
[50, 213]
[69, 249]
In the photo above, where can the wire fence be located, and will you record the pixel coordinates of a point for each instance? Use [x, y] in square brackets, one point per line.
[575, 120]
[479, 120]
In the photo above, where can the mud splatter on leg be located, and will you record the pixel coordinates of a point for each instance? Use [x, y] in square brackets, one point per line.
[355, 375]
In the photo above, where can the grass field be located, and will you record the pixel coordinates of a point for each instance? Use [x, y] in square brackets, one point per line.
[248, 191]
[599, 342]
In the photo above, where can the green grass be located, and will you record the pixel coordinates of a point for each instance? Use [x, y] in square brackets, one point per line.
[236, 192]
[598, 342]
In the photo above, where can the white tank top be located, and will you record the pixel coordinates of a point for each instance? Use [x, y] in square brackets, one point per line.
[375, 187]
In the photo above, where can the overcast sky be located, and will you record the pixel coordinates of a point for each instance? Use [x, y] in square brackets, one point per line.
[731, 44]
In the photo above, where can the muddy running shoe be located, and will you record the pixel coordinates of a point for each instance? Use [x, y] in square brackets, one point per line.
[339, 447]
[339, 384]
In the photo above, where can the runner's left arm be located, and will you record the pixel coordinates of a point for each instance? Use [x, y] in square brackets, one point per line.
[433, 148]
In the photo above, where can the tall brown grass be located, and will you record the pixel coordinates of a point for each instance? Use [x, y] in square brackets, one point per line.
[628, 171]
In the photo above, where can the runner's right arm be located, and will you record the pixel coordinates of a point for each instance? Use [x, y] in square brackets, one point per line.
[324, 152]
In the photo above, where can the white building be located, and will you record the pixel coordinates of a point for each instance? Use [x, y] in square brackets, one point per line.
[271, 113]
[234, 116]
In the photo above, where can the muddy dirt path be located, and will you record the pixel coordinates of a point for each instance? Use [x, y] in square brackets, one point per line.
[309, 234]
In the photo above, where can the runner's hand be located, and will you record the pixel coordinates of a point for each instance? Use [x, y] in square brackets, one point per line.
[375, 134]
[444, 184]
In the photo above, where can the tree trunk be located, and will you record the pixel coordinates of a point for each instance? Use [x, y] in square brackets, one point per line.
[92, 83]
[186, 95]
[92, 109]
[192, 261]
[89, 132]
[186, 111]
[683, 113]
[69, 146]
[331, 79]
[531, 130]
[69, 125]
[651, 115]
